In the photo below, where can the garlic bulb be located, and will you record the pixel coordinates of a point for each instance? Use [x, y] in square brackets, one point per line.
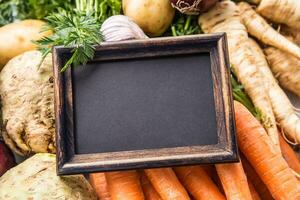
[120, 27]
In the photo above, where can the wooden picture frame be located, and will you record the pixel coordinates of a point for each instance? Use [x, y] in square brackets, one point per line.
[70, 162]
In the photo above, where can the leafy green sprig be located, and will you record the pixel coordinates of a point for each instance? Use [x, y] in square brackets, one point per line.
[72, 29]
[78, 29]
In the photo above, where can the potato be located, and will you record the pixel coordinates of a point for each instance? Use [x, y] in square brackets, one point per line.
[153, 16]
[16, 38]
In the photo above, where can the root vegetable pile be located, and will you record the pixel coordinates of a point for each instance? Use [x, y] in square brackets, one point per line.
[264, 50]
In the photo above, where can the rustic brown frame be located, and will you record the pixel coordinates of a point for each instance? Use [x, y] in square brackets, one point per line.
[225, 151]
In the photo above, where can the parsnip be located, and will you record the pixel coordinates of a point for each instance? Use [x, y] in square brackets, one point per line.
[281, 11]
[260, 29]
[291, 34]
[224, 17]
[282, 107]
[285, 68]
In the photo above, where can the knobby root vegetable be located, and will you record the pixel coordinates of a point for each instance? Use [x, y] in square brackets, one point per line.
[27, 98]
[234, 181]
[198, 183]
[254, 194]
[166, 184]
[99, 183]
[224, 17]
[124, 185]
[285, 68]
[257, 148]
[149, 191]
[282, 107]
[253, 177]
[281, 11]
[260, 29]
[36, 179]
[290, 156]
[16, 38]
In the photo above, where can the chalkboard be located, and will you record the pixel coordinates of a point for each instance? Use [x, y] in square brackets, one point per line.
[140, 104]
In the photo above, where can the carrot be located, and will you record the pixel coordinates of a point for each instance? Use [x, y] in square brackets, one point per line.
[166, 184]
[281, 11]
[269, 165]
[260, 29]
[285, 68]
[289, 155]
[99, 183]
[212, 173]
[253, 177]
[149, 191]
[198, 183]
[224, 17]
[234, 181]
[254, 194]
[124, 185]
[282, 107]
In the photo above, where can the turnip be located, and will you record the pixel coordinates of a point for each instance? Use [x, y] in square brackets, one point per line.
[153, 16]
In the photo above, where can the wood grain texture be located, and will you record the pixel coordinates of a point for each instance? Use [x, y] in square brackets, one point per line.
[68, 162]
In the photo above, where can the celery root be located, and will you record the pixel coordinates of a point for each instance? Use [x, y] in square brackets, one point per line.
[224, 17]
[282, 107]
[260, 29]
[281, 11]
[285, 68]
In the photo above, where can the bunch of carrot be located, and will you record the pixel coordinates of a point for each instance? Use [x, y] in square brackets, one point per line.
[262, 173]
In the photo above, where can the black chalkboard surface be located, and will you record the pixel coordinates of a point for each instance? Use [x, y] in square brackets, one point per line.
[151, 103]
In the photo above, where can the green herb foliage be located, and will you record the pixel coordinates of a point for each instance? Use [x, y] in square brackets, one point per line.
[72, 29]
[185, 25]
[12, 10]
[79, 28]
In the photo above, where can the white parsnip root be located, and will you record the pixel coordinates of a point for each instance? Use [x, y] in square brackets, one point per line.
[261, 30]
[224, 17]
[281, 11]
[282, 107]
[291, 33]
[285, 68]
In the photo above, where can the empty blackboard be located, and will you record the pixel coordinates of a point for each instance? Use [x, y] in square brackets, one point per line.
[150, 103]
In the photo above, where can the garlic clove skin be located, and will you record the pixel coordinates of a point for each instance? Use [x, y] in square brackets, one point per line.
[119, 28]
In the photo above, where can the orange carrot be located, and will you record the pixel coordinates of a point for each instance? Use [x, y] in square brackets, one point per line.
[269, 165]
[253, 177]
[198, 183]
[289, 155]
[124, 185]
[98, 182]
[234, 181]
[166, 184]
[254, 194]
[149, 191]
[212, 173]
